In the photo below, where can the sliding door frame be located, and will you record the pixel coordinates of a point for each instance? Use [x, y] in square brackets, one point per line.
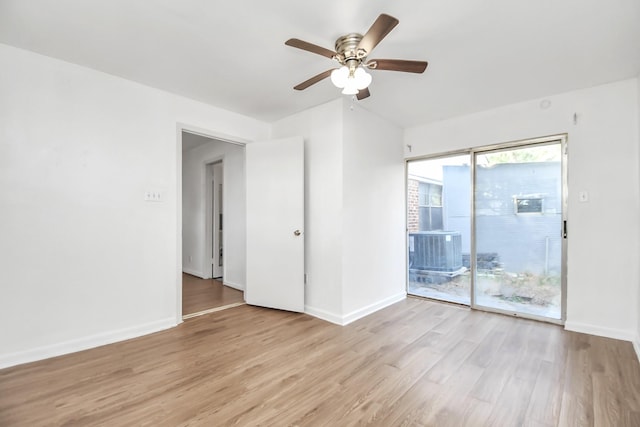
[473, 153]
[406, 216]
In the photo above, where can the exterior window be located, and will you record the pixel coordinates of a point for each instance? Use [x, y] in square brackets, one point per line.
[528, 205]
[430, 195]
[430, 206]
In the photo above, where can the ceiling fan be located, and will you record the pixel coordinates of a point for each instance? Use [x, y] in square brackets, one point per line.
[351, 52]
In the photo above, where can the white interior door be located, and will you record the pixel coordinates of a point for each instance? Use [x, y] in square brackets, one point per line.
[275, 224]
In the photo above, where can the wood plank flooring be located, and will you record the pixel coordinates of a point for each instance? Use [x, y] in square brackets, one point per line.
[415, 363]
[202, 294]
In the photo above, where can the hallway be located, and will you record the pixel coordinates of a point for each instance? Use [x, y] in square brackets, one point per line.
[204, 294]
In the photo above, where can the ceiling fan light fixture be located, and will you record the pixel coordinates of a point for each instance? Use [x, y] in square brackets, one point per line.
[351, 82]
[362, 78]
[339, 77]
[350, 88]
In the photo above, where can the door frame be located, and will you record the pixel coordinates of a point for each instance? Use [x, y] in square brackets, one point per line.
[210, 208]
[473, 152]
[547, 140]
[208, 133]
[435, 156]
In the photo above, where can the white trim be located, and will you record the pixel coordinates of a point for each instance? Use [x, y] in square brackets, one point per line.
[636, 346]
[212, 310]
[354, 315]
[618, 334]
[233, 285]
[193, 272]
[179, 267]
[72, 346]
[208, 133]
[365, 311]
[207, 208]
[323, 314]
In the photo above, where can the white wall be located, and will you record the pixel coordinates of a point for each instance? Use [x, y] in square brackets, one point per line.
[373, 227]
[194, 210]
[603, 270]
[354, 221]
[322, 130]
[637, 340]
[85, 260]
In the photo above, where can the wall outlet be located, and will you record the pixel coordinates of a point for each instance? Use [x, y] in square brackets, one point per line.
[190, 259]
[153, 196]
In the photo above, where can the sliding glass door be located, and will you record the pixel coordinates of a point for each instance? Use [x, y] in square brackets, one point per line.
[486, 228]
[439, 228]
[518, 218]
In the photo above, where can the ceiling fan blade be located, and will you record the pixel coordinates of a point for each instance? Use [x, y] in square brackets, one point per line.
[383, 25]
[399, 65]
[313, 80]
[362, 94]
[310, 47]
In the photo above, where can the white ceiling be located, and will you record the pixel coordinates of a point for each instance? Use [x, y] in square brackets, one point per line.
[481, 54]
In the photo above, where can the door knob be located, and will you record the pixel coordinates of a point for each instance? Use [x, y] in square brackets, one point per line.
[297, 233]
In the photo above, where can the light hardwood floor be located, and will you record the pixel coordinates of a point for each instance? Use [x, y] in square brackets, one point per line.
[202, 294]
[414, 363]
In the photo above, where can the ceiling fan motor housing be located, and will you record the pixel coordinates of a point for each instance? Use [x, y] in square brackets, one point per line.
[347, 50]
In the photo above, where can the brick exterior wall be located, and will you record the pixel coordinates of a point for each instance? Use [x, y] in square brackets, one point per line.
[412, 205]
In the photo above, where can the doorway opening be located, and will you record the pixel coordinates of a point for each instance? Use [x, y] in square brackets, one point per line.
[487, 228]
[213, 261]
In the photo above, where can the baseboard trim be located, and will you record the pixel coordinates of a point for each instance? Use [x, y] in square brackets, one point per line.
[323, 314]
[585, 328]
[72, 346]
[193, 272]
[233, 285]
[372, 308]
[354, 315]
